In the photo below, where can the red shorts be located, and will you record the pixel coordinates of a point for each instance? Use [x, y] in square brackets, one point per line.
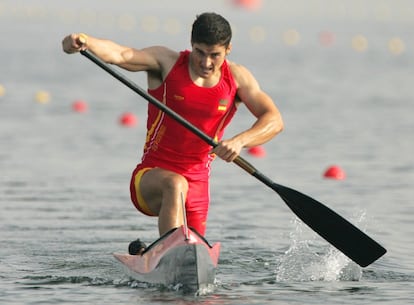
[196, 205]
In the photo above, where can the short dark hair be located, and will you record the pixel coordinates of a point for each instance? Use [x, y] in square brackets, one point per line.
[211, 29]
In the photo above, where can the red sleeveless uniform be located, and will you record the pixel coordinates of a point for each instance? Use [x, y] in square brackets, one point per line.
[171, 146]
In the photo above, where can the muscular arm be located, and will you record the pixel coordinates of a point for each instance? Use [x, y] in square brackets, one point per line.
[268, 118]
[152, 59]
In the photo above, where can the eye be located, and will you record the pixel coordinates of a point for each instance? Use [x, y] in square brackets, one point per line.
[199, 52]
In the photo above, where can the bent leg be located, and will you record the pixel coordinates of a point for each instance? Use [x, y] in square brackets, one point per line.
[197, 205]
[161, 189]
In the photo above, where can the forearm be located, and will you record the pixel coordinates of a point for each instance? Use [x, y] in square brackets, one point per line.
[106, 50]
[264, 129]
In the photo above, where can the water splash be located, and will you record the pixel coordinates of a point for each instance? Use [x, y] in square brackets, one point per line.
[305, 260]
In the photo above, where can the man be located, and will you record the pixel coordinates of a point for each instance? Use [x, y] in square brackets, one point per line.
[202, 86]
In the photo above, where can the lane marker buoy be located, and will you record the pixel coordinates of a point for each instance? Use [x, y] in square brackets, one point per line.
[2, 90]
[334, 172]
[42, 97]
[257, 151]
[80, 106]
[128, 119]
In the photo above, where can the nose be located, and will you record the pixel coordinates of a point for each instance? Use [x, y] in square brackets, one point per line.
[206, 61]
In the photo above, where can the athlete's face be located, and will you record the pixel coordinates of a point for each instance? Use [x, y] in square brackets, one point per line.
[207, 60]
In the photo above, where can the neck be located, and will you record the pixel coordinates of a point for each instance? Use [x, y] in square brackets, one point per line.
[209, 81]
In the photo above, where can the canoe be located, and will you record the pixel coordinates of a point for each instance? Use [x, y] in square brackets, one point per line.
[180, 257]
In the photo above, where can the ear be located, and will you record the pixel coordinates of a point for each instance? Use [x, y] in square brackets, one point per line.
[228, 50]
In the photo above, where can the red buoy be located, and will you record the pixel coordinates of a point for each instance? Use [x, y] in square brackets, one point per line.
[128, 119]
[326, 38]
[257, 151]
[334, 172]
[248, 4]
[79, 106]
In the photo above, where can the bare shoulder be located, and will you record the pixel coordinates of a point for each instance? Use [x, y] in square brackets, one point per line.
[163, 60]
[161, 51]
[242, 76]
[249, 91]
[164, 56]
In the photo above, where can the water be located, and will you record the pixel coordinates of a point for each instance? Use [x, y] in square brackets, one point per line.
[64, 176]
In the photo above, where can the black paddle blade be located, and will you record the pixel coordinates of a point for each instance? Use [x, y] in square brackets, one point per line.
[347, 238]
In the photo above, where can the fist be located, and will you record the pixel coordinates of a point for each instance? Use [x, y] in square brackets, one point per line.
[74, 43]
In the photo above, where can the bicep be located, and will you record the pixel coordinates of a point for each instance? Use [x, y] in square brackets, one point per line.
[141, 60]
[256, 100]
[259, 103]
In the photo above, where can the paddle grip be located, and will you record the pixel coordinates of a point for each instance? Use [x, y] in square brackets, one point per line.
[245, 165]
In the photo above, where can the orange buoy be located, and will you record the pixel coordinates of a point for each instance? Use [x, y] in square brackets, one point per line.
[334, 172]
[257, 151]
[128, 119]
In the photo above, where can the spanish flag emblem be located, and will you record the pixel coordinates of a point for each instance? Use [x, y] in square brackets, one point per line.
[222, 106]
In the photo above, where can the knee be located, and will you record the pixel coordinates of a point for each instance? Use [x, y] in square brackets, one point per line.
[175, 183]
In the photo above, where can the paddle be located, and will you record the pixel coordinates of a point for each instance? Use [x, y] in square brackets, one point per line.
[347, 238]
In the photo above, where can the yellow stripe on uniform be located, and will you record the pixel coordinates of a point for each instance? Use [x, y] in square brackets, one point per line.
[142, 204]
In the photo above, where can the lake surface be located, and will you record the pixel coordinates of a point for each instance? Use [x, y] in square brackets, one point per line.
[64, 178]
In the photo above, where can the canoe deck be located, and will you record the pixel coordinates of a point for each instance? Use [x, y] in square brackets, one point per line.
[174, 260]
